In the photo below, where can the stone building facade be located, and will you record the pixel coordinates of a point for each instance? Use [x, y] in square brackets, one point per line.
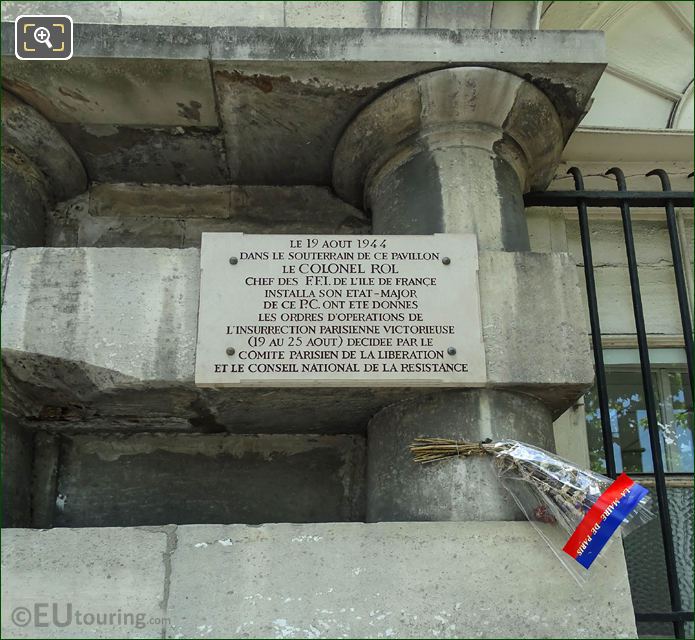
[296, 512]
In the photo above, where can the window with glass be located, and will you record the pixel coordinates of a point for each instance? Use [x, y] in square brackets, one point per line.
[628, 418]
[632, 450]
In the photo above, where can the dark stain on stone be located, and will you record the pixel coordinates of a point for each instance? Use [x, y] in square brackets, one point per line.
[76, 95]
[190, 111]
[61, 413]
[238, 479]
[422, 209]
[124, 138]
[258, 80]
[50, 413]
[118, 153]
[204, 420]
[564, 98]
[286, 86]
[514, 234]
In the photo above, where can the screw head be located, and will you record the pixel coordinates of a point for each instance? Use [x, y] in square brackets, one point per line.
[230, 351]
[451, 351]
[233, 260]
[446, 260]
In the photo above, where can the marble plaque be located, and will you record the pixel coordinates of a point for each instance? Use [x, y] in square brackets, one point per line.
[330, 310]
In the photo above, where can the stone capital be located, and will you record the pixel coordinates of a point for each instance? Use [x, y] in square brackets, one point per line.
[479, 107]
[36, 138]
[39, 168]
[452, 151]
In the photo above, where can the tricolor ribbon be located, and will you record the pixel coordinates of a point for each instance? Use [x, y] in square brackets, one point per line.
[604, 517]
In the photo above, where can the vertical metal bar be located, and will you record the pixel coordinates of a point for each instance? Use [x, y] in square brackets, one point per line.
[595, 323]
[678, 272]
[650, 405]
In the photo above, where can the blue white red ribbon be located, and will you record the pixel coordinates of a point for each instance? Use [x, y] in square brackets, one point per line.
[604, 517]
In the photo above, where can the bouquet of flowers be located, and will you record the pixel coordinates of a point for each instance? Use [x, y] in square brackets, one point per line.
[576, 511]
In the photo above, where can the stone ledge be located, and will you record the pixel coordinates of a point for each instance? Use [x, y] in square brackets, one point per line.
[406, 580]
[198, 105]
[520, 15]
[317, 44]
[92, 333]
[92, 570]
[174, 216]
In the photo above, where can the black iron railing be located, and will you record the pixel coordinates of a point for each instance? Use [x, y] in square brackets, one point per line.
[624, 199]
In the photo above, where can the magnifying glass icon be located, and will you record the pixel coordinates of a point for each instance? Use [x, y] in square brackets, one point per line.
[43, 36]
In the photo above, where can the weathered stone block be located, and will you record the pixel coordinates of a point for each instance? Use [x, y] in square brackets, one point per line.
[174, 216]
[336, 14]
[138, 101]
[113, 332]
[534, 323]
[165, 154]
[128, 315]
[160, 200]
[406, 580]
[141, 232]
[86, 572]
[112, 480]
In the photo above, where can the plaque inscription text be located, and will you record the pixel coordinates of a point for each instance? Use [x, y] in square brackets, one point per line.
[303, 310]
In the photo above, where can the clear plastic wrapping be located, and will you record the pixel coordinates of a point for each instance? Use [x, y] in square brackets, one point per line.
[556, 495]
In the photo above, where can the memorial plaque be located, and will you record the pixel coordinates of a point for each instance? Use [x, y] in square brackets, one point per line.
[329, 310]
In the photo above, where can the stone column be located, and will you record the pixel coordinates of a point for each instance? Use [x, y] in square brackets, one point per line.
[39, 168]
[453, 151]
